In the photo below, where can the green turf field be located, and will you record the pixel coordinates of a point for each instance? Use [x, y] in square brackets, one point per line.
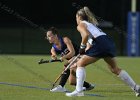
[21, 78]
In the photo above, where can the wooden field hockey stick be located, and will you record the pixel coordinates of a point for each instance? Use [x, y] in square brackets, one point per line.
[63, 72]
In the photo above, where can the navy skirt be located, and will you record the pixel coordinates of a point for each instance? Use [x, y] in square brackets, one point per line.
[103, 46]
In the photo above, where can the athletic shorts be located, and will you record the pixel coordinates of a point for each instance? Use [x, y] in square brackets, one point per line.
[103, 46]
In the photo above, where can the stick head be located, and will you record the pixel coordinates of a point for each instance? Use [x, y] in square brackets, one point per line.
[52, 86]
[48, 61]
[42, 61]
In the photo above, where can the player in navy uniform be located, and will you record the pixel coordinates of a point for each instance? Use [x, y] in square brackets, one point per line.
[64, 46]
[103, 47]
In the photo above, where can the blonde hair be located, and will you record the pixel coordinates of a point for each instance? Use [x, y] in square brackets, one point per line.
[87, 15]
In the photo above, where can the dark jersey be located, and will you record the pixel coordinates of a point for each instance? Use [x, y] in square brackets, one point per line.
[64, 50]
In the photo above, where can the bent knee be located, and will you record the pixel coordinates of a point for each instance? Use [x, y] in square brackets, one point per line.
[80, 63]
[116, 70]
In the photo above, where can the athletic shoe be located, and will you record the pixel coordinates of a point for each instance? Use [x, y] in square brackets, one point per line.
[75, 93]
[84, 88]
[137, 90]
[92, 86]
[59, 88]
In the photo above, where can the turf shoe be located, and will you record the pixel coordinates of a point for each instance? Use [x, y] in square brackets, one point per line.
[92, 86]
[59, 88]
[137, 90]
[75, 93]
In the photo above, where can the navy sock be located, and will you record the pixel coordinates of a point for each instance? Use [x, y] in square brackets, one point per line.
[64, 78]
[86, 84]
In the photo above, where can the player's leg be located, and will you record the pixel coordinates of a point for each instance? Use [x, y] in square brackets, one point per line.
[72, 79]
[122, 74]
[81, 74]
[112, 65]
[63, 80]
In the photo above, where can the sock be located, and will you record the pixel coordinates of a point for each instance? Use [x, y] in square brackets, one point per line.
[127, 79]
[80, 76]
[86, 84]
[64, 78]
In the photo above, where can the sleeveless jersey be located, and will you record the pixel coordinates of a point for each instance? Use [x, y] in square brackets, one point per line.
[64, 50]
[94, 31]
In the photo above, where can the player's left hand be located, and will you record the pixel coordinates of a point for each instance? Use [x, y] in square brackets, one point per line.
[61, 58]
[82, 49]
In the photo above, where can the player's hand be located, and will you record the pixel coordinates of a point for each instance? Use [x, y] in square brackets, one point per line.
[82, 49]
[63, 58]
[65, 65]
[53, 57]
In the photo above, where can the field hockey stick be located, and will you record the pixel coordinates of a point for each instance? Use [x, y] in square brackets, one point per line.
[42, 61]
[63, 72]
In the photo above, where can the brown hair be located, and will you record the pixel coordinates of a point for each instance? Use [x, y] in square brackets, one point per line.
[53, 30]
[87, 15]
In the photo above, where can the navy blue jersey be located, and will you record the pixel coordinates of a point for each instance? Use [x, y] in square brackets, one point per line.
[64, 50]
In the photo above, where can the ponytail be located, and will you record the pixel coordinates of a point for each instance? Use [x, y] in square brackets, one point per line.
[90, 16]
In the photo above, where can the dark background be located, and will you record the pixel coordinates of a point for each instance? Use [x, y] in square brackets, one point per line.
[22, 22]
[62, 12]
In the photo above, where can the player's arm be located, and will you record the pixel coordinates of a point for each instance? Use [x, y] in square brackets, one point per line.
[70, 47]
[53, 54]
[82, 28]
[87, 46]
[89, 43]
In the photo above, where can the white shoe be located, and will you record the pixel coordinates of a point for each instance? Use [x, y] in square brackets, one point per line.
[59, 88]
[84, 88]
[137, 90]
[137, 94]
[75, 93]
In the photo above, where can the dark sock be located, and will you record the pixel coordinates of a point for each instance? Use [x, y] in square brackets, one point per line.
[64, 78]
[86, 84]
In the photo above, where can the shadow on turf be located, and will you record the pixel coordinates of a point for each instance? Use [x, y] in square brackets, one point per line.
[40, 88]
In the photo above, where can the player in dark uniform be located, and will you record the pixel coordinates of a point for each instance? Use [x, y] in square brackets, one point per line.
[64, 46]
[103, 48]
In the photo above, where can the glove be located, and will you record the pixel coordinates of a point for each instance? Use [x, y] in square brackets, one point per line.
[82, 49]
